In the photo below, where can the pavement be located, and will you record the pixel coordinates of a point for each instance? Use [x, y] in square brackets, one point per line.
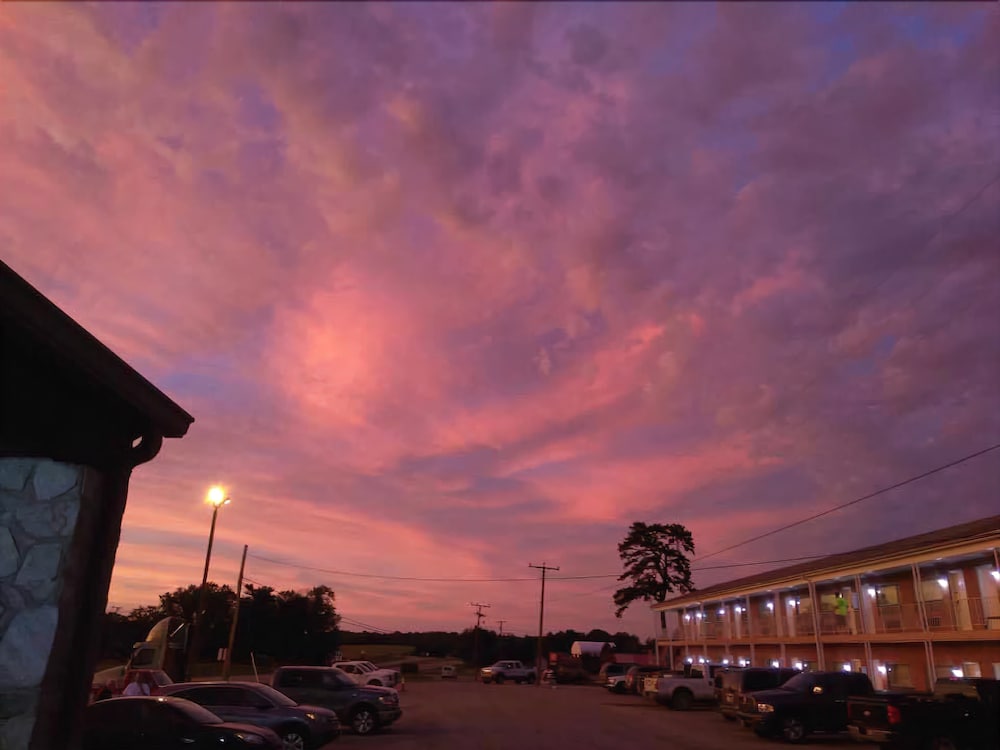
[456, 715]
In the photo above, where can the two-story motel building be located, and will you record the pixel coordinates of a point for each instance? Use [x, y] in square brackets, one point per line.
[905, 612]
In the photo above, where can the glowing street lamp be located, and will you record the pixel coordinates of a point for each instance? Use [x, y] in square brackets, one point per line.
[216, 497]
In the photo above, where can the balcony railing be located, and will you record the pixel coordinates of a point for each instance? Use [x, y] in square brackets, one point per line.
[946, 615]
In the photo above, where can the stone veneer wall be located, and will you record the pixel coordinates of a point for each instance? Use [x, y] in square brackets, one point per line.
[39, 503]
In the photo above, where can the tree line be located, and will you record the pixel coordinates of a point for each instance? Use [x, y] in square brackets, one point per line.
[294, 627]
[285, 626]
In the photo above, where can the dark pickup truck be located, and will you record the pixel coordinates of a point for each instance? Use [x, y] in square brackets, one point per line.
[961, 714]
[808, 703]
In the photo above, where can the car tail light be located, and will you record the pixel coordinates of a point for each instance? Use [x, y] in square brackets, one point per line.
[894, 716]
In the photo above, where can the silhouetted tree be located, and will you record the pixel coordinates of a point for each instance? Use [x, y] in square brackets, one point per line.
[182, 602]
[655, 563]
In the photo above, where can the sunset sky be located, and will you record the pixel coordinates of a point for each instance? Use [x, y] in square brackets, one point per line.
[454, 288]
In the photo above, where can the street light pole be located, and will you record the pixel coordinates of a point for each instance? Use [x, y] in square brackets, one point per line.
[216, 498]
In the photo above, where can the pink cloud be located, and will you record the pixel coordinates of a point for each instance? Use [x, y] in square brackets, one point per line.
[528, 274]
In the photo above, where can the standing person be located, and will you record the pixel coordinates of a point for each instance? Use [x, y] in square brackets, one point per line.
[841, 608]
[139, 686]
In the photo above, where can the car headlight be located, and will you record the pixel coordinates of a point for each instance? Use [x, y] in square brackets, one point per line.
[250, 739]
[311, 716]
[765, 708]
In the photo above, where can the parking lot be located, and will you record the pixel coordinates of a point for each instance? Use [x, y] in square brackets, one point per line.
[468, 714]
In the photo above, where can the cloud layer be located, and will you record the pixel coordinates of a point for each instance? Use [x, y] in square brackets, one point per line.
[454, 288]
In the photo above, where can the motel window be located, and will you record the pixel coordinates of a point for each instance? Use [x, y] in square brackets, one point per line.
[931, 590]
[898, 676]
[971, 669]
[887, 596]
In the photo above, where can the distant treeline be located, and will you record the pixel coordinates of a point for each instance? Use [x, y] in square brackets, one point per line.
[490, 644]
[295, 627]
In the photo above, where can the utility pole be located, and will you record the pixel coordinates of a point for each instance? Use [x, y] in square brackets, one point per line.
[541, 619]
[475, 633]
[227, 665]
[501, 622]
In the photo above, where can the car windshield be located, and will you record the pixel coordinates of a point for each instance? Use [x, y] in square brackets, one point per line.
[195, 712]
[367, 666]
[800, 683]
[279, 699]
[341, 677]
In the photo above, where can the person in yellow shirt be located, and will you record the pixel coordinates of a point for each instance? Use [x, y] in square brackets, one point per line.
[841, 608]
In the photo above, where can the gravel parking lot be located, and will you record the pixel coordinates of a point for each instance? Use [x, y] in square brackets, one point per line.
[468, 714]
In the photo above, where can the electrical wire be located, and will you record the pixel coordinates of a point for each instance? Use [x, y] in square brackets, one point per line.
[855, 501]
[387, 577]
[758, 537]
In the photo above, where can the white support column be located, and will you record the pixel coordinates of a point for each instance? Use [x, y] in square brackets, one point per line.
[750, 631]
[918, 590]
[814, 606]
[864, 628]
[703, 630]
[777, 613]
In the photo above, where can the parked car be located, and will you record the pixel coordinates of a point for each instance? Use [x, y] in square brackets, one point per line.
[611, 669]
[612, 676]
[635, 675]
[448, 672]
[364, 708]
[298, 726]
[166, 722]
[696, 684]
[731, 685]
[959, 713]
[566, 674]
[507, 669]
[808, 703]
[366, 673]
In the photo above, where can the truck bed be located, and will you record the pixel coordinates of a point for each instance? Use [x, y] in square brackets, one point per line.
[964, 712]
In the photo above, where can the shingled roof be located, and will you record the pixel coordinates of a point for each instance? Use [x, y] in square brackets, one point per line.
[985, 529]
[66, 396]
[26, 309]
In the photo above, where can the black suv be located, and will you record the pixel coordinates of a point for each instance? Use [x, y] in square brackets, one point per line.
[731, 685]
[364, 708]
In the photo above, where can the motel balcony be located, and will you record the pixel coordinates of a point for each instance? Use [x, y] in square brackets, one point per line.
[735, 623]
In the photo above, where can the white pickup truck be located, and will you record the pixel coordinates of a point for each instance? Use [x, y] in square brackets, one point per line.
[366, 673]
[681, 690]
[507, 670]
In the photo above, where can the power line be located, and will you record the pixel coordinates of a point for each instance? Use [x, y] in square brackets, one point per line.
[387, 577]
[855, 501]
[594, 576]
[366, 626]
[828, 511]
